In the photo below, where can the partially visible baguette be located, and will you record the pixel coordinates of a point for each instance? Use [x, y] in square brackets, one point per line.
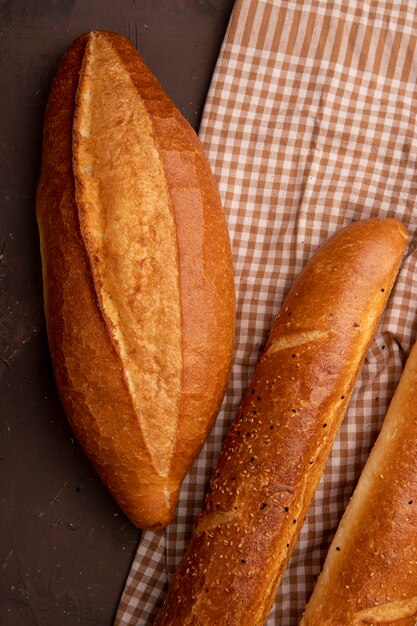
[138, 279]
[370, 572]
[274, 456]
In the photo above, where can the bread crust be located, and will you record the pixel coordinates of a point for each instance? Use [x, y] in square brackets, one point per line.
[274, 455]
[370, 572]
[112, 411]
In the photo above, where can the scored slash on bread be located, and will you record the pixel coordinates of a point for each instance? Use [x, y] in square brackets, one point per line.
[274, 455]
[138, 277]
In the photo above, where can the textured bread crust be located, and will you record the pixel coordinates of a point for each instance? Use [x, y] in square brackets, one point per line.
[370, 572]
[275, 453]
[138, 280]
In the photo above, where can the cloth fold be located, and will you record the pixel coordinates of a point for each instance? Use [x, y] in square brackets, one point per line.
[309, 124]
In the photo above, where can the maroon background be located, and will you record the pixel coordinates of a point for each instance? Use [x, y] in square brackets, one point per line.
[65, 547]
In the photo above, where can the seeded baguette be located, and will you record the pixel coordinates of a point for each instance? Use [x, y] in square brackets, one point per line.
[370, 572]
[274, 455]
[138, 279]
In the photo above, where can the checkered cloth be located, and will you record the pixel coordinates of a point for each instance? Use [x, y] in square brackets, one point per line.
[310, 123]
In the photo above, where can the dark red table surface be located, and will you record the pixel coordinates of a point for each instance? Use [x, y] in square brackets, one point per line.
[65, 546]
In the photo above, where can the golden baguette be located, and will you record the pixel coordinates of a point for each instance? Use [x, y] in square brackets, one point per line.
[138, 280]
[275, 453]
[370, 572]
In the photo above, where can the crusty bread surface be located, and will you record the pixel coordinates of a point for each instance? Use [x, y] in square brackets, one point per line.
[370, 572]
[138, 279]
[275, 453]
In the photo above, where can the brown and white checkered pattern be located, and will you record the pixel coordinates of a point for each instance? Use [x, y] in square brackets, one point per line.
[310, 123]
